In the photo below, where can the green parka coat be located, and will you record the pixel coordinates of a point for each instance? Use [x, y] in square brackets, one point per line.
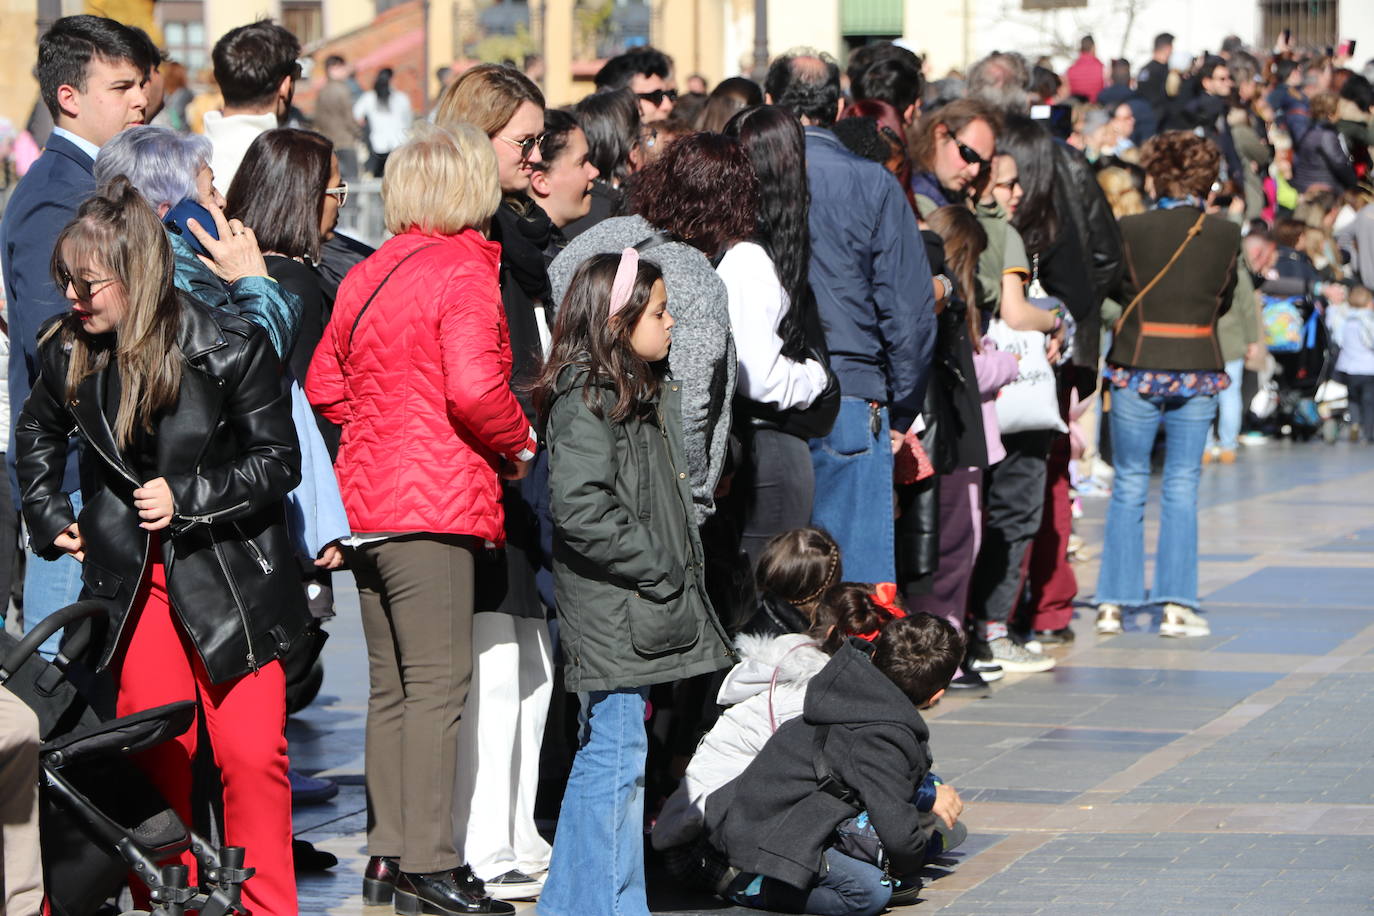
[627, 558]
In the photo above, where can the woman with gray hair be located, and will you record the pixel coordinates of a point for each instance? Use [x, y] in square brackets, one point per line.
[172, 172]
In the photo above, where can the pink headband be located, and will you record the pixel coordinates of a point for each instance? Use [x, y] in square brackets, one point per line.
[624, 284]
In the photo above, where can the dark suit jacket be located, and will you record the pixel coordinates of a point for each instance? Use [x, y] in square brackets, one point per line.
[46, 199]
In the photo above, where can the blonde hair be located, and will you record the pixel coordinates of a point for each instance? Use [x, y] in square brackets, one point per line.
[1360, 297]
[487, 96]
[119, 231]
[441, 181]
[1121, 192]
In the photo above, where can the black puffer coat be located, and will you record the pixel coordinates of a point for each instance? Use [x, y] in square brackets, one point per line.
[229, 453]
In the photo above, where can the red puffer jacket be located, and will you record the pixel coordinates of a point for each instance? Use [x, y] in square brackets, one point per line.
[422, 390]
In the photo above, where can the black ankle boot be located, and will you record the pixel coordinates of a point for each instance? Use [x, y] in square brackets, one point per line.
[443, 893]
[379, 881]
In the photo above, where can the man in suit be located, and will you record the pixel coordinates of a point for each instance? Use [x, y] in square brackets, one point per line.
[93, 74]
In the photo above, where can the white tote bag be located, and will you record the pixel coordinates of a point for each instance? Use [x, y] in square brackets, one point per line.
[1031, 401]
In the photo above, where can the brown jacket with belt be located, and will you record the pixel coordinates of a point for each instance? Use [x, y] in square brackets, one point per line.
[1174, 326]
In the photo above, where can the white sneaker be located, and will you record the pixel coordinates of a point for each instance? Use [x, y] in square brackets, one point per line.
[514, 885]
[1108, 619]
[1017, 659]
[1183, 621]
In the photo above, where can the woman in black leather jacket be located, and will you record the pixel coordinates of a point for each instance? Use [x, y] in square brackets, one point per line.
[189, 451]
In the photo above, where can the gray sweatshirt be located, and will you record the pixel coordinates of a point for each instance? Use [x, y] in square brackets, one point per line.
[702, 358]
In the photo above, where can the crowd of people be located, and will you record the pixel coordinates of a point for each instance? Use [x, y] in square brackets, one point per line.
[759, 415]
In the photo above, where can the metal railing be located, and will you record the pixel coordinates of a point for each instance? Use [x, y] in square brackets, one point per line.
[363, 218]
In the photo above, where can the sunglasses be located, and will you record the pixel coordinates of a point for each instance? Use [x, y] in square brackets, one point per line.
[82, 286]
[656, 97]
[526, 146]
[341, 192]
[969, 154]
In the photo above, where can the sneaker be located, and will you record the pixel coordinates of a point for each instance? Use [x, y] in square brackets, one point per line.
[1015, 658]
[970, 680]
[310, 790]
[906, 889]
[1210, 455]
[1108, 619]
[513, 885]
[1060, 637]
[1227, 456]
[1183, 621]
[987, 668]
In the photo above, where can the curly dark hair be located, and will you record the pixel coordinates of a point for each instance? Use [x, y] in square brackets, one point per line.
[1181, 164]
[919, 653]
[681, 192]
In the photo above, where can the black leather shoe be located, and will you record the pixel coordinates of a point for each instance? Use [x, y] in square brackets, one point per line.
[379, 881]
[441, 894]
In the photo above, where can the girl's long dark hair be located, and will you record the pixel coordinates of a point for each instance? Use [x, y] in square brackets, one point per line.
[611, 122]
[1037, 216]
[382, 86]
[964, 239]
[583, 338]
[775, 144]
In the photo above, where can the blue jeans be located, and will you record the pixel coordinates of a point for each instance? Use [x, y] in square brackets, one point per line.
[1135, 419]
[49, 586]
[598, 851]
[848, 888]
[1230, 409]
[854, 491]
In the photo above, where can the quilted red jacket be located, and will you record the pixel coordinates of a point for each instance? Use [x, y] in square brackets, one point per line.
[422, 390]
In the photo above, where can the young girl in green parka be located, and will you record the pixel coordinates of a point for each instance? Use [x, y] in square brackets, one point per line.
[627, 564]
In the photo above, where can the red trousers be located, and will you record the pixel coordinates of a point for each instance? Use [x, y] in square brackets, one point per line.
[246, 721]
[1053, 585]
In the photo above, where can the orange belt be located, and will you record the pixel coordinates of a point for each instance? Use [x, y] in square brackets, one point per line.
[1168, 329]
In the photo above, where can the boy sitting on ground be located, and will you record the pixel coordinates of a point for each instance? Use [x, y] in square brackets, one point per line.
[860, 745]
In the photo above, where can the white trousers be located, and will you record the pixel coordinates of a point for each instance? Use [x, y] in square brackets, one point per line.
[498, 746]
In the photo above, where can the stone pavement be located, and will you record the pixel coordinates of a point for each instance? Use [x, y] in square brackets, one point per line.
[1143, 775]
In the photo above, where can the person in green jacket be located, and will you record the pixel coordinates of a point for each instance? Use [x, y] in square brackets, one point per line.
[627, 564]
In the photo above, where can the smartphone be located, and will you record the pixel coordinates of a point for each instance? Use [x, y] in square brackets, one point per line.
[176, 218]
[1347, 48]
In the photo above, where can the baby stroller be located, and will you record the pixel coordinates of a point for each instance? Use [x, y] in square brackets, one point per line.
[100, 819]
[1297, 339]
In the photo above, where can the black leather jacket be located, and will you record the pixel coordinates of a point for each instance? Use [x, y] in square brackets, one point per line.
[229, 453]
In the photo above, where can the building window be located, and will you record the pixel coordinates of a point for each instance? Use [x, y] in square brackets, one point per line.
[1314, 23]
[186, 44]
[304, 19]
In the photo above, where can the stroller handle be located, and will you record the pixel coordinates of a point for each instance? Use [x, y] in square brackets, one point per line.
[45, 628]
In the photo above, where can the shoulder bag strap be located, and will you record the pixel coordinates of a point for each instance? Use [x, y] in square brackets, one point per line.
[362, 311]
[826, 780]
[1125, 313]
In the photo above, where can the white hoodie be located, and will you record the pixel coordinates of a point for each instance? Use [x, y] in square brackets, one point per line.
[743, 728]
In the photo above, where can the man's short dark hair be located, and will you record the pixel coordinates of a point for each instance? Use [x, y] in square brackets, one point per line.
[865, 56]
[1086, 45]
[1163, 40]
[66, 49]
[806, 83]
[1232, 43]
[1121, 72]
[621, 69]
[332, 61]
[252, 60]
[893, 80]
[1209, 67]
[919, 653]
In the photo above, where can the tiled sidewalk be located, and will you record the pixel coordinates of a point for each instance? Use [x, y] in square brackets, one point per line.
[1233, 773]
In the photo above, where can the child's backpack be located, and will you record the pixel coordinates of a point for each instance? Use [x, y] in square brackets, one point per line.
[1282, 321]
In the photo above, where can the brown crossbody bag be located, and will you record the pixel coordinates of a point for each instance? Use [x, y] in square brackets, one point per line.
[1192, 234]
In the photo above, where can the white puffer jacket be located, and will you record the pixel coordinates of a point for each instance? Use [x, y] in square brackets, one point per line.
[743, 728]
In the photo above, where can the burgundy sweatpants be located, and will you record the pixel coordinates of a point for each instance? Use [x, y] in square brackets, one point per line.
[246, 721]
[1050, 576]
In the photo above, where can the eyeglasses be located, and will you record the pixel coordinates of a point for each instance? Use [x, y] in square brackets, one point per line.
[526, 146]
[82, 286]
[656, 97]
[969, 154]
[341, 192]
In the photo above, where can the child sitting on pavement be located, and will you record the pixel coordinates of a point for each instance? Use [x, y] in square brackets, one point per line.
[859, 747]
